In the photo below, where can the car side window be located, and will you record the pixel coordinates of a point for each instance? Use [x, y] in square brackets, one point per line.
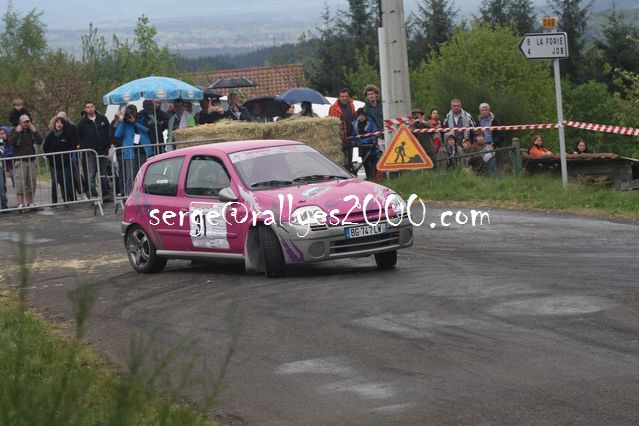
[206, 177]
[162, 177]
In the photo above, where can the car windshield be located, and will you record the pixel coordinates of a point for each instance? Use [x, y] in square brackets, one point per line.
[284, 165]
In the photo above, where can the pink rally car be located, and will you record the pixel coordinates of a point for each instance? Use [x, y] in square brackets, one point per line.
[266, 203]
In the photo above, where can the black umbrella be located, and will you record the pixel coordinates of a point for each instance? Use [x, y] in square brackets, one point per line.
[210, 93]
[231, 82]
[270, 106]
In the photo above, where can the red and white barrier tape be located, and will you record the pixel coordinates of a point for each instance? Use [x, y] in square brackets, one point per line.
[481, 129]
[462, 129]
[398, 121]
[617, 130]
[381, 132]
[604, 128]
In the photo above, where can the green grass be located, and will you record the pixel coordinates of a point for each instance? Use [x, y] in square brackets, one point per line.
[48, 377]
[537, 192]
[51, 380]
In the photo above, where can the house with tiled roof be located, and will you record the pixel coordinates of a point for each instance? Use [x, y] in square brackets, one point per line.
[269, 80]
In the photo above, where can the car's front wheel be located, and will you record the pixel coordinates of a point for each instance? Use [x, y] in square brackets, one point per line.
[386, 260]
[141, 252]
[274, 263]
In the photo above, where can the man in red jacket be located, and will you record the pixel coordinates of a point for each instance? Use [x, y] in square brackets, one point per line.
[344, 109]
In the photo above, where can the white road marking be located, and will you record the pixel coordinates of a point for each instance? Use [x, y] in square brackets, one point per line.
[332, 365]
[393, 408]
[335, 366]
[14, 237]
[561, 305]
[363, 390]
[415, 325]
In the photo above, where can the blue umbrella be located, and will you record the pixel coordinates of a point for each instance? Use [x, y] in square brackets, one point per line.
[298, 95]
[153, 88]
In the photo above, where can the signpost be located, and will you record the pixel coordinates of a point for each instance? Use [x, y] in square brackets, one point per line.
[553, 46]
[544, 46]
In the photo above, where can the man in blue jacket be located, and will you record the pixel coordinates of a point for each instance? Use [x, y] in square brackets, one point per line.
[134, 132]
[367, 145]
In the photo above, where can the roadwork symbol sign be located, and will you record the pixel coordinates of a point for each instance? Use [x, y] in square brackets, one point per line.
[404, 153]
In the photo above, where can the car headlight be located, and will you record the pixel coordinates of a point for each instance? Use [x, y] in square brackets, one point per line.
[308, 215]
[396, 203]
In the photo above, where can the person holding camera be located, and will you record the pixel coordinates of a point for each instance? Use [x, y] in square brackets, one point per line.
[134, 132]
[212, 111]
[23, 139]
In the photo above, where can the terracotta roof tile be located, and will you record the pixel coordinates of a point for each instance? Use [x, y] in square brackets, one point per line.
[269, 80]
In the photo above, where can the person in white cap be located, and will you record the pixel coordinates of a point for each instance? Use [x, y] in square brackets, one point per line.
[23, 139]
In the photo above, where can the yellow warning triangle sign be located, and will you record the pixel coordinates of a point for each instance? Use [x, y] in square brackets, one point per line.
[404, 153]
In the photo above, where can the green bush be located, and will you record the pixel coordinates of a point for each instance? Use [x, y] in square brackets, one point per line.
[485, 65]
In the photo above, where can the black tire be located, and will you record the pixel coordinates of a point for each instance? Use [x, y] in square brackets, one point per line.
[274, 263]
[386, 260]
[141, 252]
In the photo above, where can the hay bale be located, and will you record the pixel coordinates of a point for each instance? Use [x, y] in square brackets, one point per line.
[322, 134]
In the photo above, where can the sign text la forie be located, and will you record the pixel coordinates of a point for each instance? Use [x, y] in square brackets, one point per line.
[544, 46]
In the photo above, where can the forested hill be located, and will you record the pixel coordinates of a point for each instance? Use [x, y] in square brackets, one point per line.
[208, 58]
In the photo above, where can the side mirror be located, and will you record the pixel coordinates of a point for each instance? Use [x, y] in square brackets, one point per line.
[227, 195]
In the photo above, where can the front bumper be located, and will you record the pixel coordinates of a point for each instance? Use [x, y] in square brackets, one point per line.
[321, 242]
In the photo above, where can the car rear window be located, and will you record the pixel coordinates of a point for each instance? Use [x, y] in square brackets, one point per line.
[161, 178]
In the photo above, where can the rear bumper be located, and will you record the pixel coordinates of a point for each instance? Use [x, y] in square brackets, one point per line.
[301, 245]
[123, 228]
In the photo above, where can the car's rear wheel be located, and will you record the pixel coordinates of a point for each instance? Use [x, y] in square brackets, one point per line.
[274, 263]
[386, 260]
[141, 252]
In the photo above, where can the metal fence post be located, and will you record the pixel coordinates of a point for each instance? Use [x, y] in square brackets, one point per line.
[517, 157]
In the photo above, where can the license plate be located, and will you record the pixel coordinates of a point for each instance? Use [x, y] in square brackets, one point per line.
[364, 231]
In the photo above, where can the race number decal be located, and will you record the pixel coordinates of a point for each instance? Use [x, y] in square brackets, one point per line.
[207, 226]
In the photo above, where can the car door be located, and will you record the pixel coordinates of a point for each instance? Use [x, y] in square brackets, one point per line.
[160, 184]
[209, 230]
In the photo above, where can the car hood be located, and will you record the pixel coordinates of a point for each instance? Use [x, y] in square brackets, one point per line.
[327, 195]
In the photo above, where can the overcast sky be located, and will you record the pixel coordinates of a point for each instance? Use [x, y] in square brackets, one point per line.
[76, 14]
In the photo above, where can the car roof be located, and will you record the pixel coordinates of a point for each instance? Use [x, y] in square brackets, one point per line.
[217, 148]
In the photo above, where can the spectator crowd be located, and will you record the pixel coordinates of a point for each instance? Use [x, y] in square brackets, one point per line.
[447, 150]
[82, 154]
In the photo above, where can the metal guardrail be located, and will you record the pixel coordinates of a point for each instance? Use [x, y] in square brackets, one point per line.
[51, 180]
[124, 170]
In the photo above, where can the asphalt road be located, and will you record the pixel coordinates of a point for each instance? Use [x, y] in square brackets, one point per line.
[531, 319]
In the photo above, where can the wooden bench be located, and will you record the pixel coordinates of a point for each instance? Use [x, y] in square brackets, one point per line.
[603, 169]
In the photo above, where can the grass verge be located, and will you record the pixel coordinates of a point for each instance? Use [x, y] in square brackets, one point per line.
[50, 378]
[531, 192]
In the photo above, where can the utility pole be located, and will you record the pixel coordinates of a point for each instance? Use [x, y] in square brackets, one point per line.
[393, 59]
